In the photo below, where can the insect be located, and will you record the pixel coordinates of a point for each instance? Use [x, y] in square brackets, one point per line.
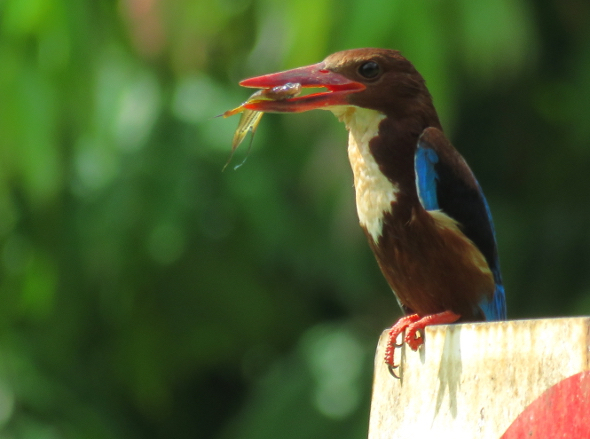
[250, 119]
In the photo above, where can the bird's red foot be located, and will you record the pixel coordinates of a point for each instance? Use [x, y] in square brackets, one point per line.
[396, 330]
[412, 324]
[433, 319]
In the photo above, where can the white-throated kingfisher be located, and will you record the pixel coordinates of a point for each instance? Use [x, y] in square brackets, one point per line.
[423, 211]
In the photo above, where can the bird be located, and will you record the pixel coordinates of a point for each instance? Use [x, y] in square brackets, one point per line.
[424, 213]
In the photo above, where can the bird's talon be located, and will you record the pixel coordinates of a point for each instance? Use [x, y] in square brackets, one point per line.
[392, 368]
[390, 354]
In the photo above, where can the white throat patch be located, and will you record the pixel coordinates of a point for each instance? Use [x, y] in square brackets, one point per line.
[374, 192]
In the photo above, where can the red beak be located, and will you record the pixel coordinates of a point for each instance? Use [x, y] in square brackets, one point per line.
[314, 76]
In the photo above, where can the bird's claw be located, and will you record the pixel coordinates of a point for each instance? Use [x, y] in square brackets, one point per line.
[392, 344]
[414, 337]
[392, 372]
[413, 325]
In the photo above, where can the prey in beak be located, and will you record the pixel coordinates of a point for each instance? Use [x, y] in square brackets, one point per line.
[338, 88]
[250, 119]
[279, 94]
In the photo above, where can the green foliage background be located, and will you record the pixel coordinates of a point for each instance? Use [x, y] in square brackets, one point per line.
[144, 293]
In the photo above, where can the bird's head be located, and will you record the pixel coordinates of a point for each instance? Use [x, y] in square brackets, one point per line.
[377, 79]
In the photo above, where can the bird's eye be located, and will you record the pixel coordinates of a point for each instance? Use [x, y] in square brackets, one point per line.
[369, 70]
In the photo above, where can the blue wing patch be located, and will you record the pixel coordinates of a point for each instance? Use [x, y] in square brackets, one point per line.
[426, 177]
[495, 309]
[445, 182]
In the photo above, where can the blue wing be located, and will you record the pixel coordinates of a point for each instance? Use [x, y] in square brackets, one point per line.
[445, 182]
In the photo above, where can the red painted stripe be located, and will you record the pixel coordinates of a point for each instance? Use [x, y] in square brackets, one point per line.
[562, 411]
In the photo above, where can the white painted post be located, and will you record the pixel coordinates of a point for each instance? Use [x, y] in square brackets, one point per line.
[472, 380]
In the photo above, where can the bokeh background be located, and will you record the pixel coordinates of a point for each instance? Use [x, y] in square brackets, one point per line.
[144, 293]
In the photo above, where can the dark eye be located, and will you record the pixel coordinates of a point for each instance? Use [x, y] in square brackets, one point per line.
[369, 70]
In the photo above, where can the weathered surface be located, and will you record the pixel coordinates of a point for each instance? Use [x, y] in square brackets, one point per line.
[473, 380]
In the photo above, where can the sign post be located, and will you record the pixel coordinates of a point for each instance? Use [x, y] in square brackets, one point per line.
[474, 380]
